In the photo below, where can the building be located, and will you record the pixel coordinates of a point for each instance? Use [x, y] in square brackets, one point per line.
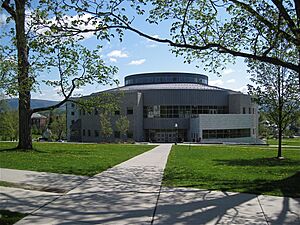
[38, 121]
[169, 107]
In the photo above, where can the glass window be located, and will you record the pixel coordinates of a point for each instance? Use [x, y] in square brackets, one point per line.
[96, 132]
[129, 110]
[226, 133]
[156, 111]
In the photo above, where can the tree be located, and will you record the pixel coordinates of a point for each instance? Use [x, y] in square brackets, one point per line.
[105, 124]
[8, 122]
[214, 32]
[34, 46]
[122, 125]
[58, 126]
[276, 91]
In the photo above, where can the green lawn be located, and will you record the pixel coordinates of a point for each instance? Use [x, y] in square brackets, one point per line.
[249, 169]
[8, 218]
[80, 159]
[285, 141]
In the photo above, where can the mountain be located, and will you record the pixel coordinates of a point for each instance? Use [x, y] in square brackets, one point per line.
[35, 103]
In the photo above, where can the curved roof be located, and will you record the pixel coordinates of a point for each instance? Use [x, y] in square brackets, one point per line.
[165, 77]
[170, 86]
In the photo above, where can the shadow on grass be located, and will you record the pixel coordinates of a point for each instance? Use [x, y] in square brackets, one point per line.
[288, 187]
[15, 149]
[262, 162]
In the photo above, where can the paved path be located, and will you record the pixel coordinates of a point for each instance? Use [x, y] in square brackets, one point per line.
[194, 206]
[131, 193]
[124, 194]
[40, 180]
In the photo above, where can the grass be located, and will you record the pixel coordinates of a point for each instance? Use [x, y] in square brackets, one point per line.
[67, 158]
[286, 141]
[248, 169]
[8, 218]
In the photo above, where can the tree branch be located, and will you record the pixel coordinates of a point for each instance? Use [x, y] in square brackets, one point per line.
[184, 19]
[9, 9]
[262, 19]
[286, 16]
[58, 104]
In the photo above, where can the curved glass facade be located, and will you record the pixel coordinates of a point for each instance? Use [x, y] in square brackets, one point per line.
[158, 78]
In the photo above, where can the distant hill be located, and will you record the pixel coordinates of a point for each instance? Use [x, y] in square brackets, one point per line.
[35, 103]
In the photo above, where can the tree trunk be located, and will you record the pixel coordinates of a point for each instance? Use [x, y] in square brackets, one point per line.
[279, 152]
[24, 83]
[280, 109]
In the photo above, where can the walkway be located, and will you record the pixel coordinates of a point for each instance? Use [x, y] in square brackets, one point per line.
[125, 194]
[131, 193]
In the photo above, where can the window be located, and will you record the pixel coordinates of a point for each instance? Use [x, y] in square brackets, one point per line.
[129, 110]
[72, 113]
[83, 132]
[89, 133]
[117, 134]
[183, 111]
[72, 121]
[117, 112]
[96, 132]
[244, 110]
[72, 105]
[96, 111]
[227, 133]
[83, 112]
[249, 110]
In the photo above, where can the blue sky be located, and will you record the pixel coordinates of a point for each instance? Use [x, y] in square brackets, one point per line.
[137, 55]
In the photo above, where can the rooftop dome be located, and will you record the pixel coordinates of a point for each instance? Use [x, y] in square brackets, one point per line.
[165, 77]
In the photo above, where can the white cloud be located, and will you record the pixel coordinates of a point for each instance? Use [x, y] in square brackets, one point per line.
[117, 54]
[151, 46]
[216, 82]
[57, 89]
[155, 36]
[3, 18]
[113, 59]
[228, 71]
[87, 22]
[243, 89]
[230, 81]
[137, 62]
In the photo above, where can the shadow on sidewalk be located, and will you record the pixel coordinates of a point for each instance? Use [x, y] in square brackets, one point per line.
[129, 196]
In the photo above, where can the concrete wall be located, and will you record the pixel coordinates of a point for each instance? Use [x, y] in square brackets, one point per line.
[237, 102]
[225, 121]
[71, 107]
[185, 97]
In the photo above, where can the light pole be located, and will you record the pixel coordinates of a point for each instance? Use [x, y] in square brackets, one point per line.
[176, 129]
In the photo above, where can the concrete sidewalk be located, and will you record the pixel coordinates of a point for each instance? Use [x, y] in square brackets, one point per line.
[41, 180]
[194, 206]
[124, 194]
